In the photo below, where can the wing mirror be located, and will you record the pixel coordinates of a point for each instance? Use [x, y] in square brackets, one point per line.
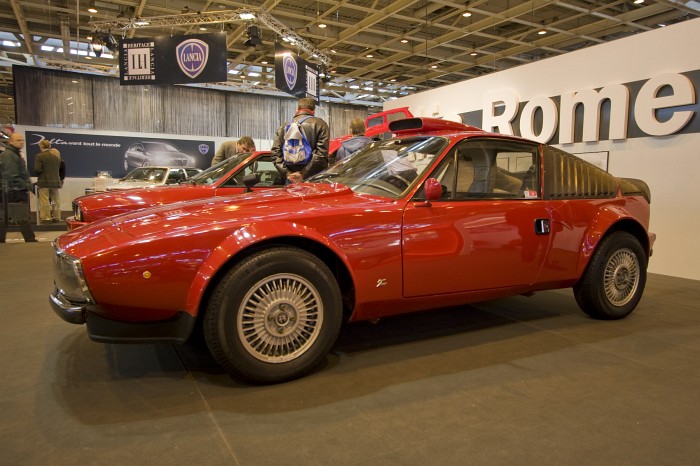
[432, 189]
[250, 180]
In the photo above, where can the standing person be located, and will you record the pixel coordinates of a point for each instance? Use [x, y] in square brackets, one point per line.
[16, 178]
[47, 166]
[230, 148]
[356, 142]
[316, 133]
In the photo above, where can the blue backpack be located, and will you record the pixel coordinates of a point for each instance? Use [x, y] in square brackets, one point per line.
[296, 148]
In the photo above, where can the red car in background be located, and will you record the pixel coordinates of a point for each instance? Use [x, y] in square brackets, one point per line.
[443, 215]
[375, 126]
[222, 179]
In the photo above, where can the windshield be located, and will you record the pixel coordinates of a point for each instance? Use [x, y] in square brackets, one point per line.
[213, 174]
[154, 175]
[385, 168]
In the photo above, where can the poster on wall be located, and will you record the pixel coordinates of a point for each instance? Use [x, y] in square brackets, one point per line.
[173, 59]
[294, 75]
[87, 154]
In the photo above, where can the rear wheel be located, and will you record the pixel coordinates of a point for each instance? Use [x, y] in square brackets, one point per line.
[274, 316]
[614, 280]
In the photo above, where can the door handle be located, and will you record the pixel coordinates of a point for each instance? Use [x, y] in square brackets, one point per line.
[542, 226]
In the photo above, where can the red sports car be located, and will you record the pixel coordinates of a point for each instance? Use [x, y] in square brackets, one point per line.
[220, 180]
[442, 215]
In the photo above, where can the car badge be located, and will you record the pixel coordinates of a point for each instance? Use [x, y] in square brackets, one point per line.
[289, 65]
[203, 149]
[192, 56]
[381, 282]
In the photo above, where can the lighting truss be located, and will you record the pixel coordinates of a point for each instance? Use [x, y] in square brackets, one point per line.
[213, 17]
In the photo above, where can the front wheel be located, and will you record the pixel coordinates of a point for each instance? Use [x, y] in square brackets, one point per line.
[614, 280]
[274, 316]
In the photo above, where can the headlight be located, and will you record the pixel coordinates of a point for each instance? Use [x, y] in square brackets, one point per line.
[69, 278]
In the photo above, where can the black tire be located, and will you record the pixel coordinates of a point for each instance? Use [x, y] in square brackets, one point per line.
[614, 280]
[274, 316]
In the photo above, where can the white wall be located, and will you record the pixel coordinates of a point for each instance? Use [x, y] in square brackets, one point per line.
[669, 164]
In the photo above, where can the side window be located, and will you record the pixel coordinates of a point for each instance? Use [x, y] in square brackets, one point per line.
[490, 169]
[376, 121]
[264, 167]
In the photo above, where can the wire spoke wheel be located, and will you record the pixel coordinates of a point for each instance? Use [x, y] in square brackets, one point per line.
[621, 277]
[280, 317]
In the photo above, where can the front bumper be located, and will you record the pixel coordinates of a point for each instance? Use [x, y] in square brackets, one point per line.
[72, 313]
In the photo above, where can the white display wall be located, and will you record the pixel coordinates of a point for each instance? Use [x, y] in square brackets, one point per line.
[669, 163]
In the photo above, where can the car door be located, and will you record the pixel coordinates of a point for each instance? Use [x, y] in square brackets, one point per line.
[490, 229]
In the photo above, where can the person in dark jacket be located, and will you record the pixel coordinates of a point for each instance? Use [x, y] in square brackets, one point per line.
[356, 142]
[47, 167]
[16, 181]
[316, 132]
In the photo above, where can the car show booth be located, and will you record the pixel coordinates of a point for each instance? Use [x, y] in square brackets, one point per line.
[630, 106]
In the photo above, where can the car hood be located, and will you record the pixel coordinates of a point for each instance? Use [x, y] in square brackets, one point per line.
[220, 212]
[139, 196]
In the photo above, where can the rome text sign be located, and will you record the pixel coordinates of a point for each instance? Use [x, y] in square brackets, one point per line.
[663, 105]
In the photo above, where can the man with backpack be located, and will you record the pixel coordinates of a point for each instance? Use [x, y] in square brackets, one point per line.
[301, 145]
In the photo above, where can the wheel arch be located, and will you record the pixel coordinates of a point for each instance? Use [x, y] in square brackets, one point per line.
[204, 286]
[596, 236]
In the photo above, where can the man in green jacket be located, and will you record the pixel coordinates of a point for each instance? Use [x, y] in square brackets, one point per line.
[47, 167]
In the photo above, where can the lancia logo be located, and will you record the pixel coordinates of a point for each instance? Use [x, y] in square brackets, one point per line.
[192, 56]
[289, 66]
[203, 148]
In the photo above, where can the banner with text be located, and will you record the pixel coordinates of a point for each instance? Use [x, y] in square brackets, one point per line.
[87, 154]
[173, 59]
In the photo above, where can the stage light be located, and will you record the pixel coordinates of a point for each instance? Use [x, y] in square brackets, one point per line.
[253, 32]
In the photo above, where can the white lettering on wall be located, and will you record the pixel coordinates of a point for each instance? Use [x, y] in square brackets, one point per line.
[493, 100]
[592, 101]
[647, 103]
[549, 119]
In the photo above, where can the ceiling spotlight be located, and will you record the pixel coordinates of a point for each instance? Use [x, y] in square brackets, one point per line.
[542, 31]
[111, 43]
[91, 8]
[246, 16]
[322, 25]
[404, 41]
[467, 14]
[474, 53]
[637, 2]
[254, 39]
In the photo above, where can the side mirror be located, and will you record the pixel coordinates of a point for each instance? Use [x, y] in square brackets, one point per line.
[432, 189]
[250, 180]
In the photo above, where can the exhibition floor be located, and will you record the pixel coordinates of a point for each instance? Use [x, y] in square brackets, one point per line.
[518, 381]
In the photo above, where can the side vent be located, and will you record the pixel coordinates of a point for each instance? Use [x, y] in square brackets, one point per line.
[568, 177]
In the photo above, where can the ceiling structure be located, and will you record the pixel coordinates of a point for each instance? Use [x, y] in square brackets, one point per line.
[374, 50]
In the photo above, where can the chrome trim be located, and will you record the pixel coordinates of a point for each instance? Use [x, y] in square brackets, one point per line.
[66, 310]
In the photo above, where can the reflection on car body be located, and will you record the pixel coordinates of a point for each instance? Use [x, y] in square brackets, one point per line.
[444, 214]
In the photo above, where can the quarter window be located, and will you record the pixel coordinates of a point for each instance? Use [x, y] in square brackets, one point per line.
[490, 169]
